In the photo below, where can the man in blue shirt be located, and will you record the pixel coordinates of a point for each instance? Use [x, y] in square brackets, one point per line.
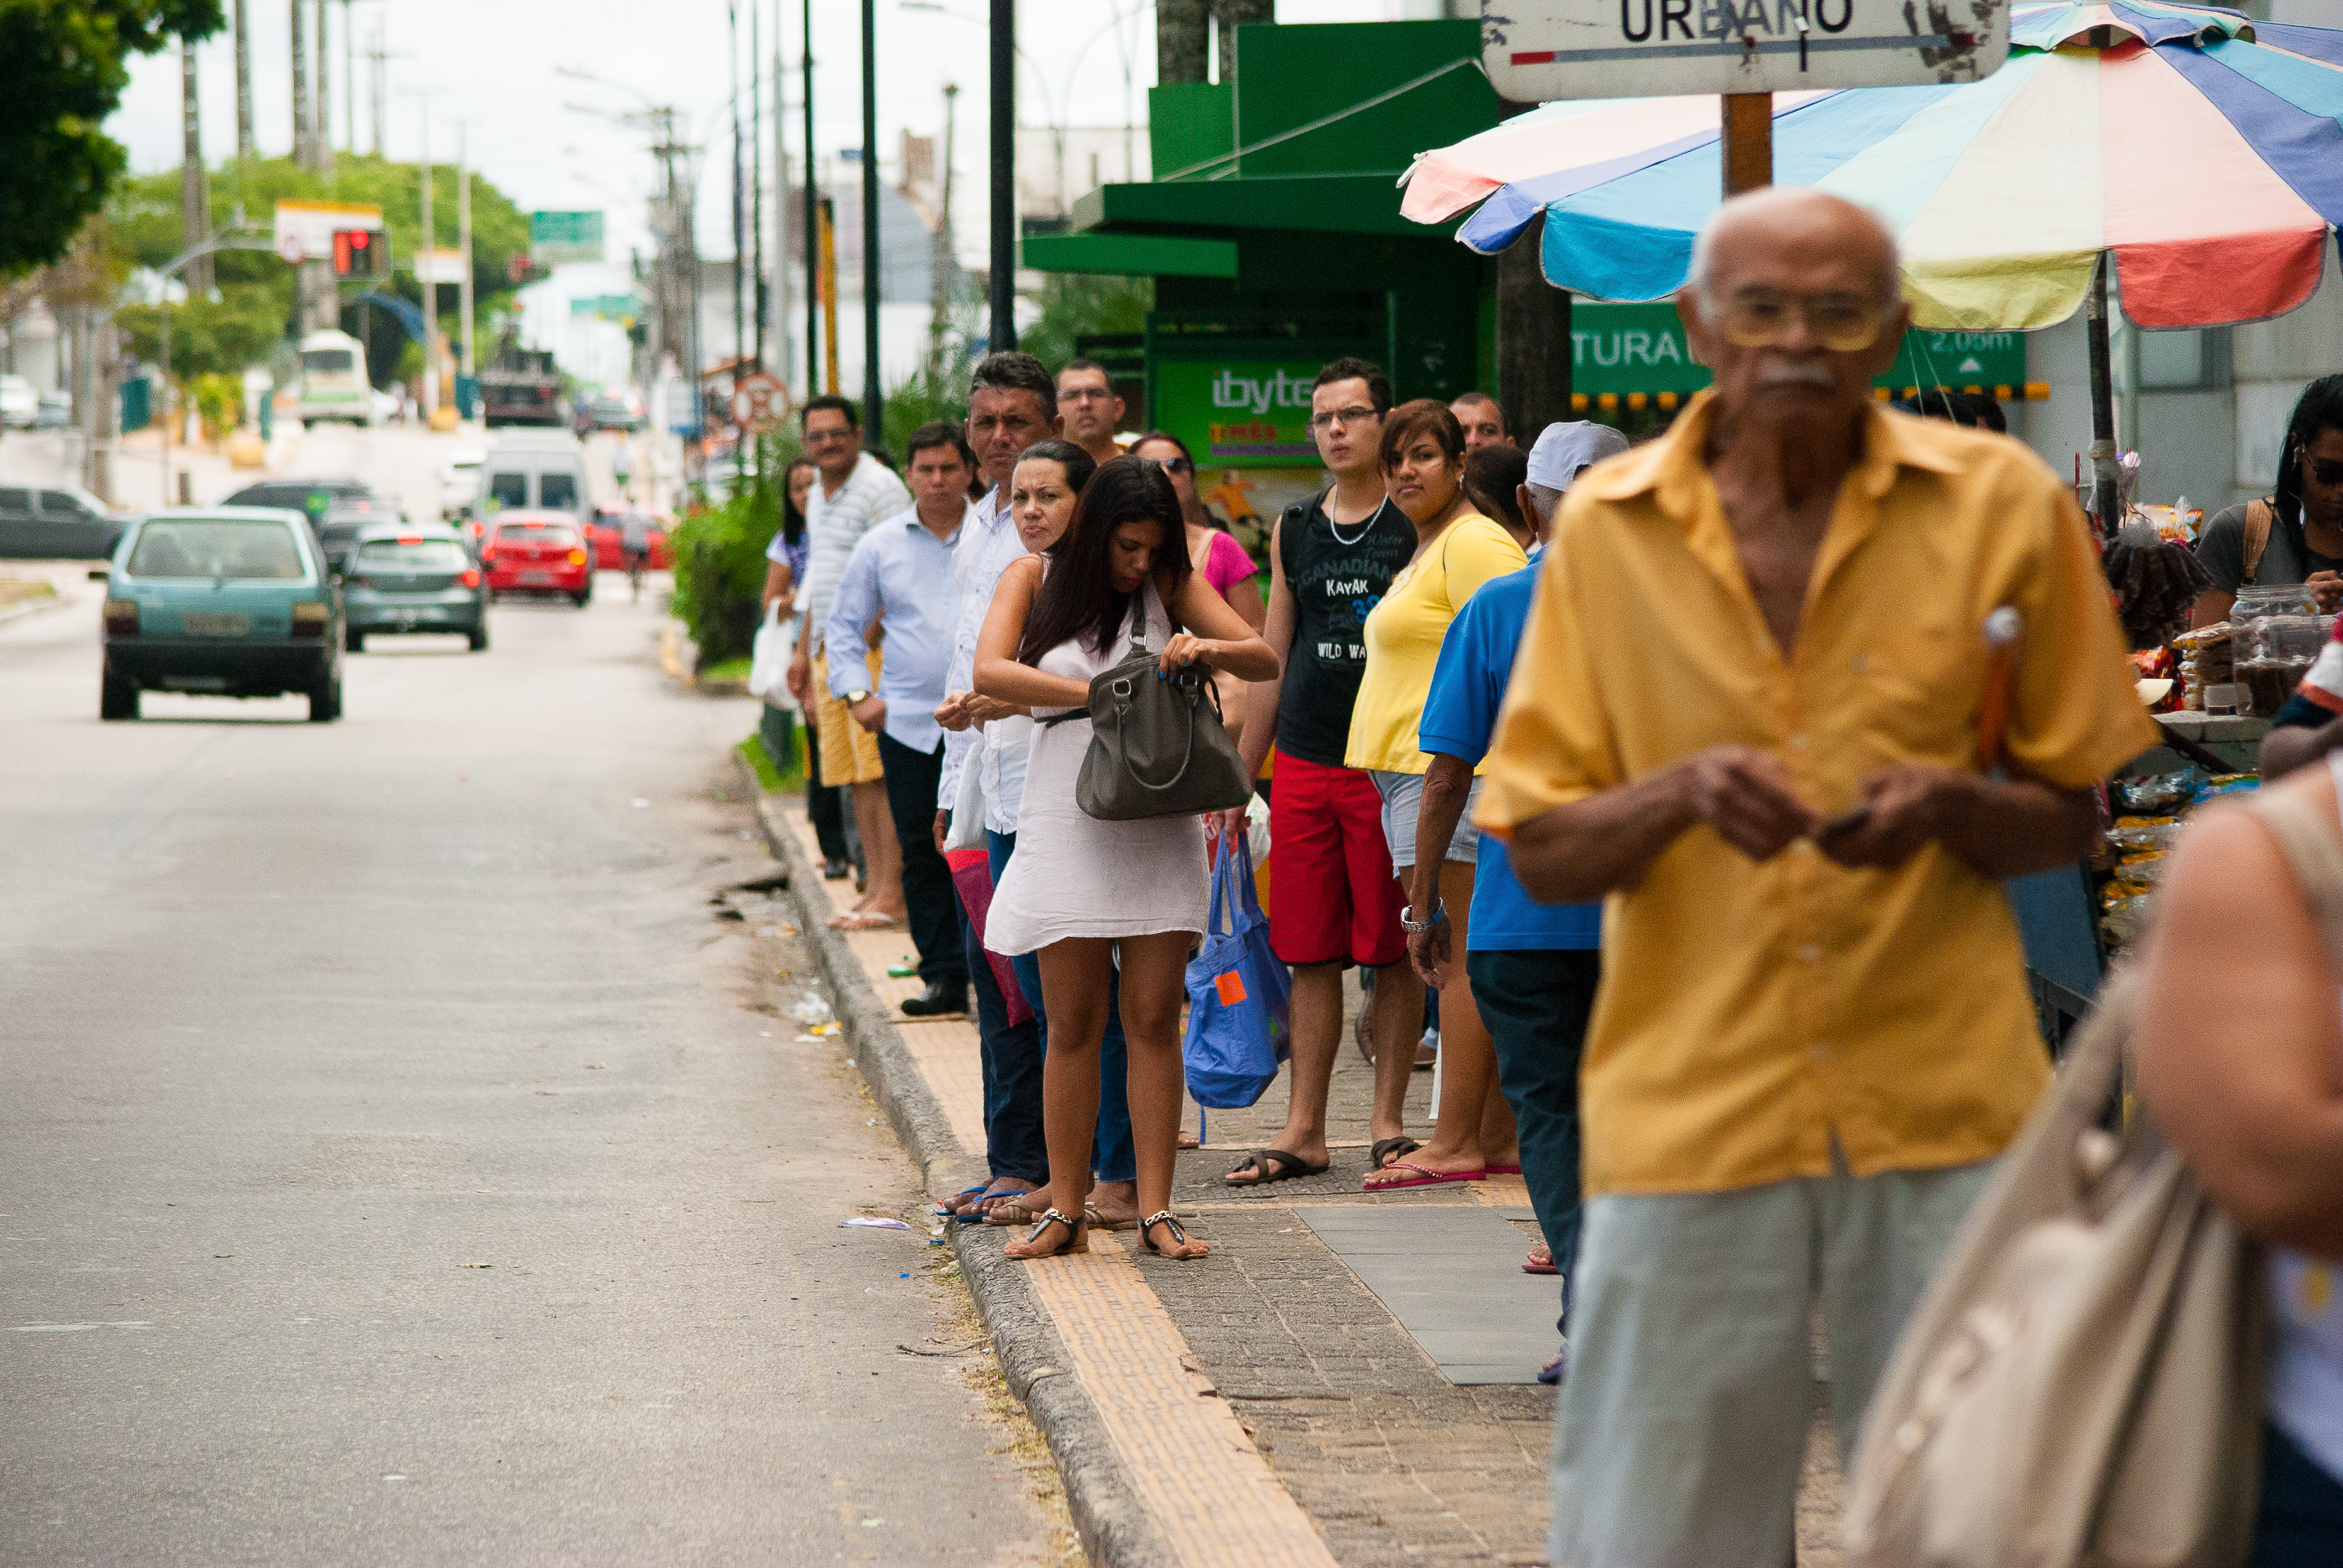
[901, 577]
[1533, 967]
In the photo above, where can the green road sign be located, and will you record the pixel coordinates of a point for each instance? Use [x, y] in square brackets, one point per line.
[557, 237]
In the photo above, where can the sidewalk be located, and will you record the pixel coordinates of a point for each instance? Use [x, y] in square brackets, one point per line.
[1348, 1379]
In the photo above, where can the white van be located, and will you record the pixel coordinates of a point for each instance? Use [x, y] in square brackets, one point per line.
[537, 470]
[334, 379]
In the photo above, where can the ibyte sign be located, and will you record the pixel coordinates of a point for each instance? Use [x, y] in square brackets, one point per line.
[1231, 390]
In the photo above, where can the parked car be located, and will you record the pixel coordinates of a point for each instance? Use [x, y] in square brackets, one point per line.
[230, 600]
[55, 412]
[537, 552]
[52, 523]
[19, 403]
[609, 539]
[403, 577]
[312, 498]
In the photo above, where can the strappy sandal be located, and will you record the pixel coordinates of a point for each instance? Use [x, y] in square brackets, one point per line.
[1179, 1234]
[1078, 1236]
[1098, 1221]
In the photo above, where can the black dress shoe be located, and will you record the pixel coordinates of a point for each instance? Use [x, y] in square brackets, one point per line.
[941, 997]
[837, 870]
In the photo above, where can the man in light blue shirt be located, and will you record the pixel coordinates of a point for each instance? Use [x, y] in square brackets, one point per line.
[1533, 967]
[900, 576]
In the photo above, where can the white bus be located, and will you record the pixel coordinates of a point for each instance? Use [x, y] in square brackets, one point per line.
[334, 379]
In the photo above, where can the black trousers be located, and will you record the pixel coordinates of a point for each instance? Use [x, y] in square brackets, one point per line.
[822, 807]
[928, 892]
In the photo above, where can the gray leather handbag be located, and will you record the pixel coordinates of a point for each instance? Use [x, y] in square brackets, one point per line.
[1158, 746]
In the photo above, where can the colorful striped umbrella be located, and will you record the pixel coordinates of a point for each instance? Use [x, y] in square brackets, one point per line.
[2202, 150]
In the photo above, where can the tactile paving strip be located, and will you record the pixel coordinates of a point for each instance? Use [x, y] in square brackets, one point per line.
[1184, 1449]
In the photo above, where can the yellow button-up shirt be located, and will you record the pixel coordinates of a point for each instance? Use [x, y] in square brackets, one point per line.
[1751, 1012]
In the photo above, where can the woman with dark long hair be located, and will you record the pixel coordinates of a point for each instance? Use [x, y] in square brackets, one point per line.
[1080, 892]
[2295, 534]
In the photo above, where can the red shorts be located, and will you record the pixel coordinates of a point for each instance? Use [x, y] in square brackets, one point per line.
[1333, 898]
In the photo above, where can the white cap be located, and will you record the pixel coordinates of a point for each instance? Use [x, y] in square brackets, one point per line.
[1566, 447]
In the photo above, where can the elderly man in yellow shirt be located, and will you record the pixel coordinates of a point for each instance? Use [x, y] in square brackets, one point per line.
[1746, 713]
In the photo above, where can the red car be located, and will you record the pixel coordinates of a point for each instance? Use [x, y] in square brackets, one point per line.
[536, 552]
[609, 541]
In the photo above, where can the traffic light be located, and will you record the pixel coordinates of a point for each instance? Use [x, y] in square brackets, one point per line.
[361, 253]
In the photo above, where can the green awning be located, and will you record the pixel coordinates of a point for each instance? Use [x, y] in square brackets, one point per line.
[1131, 254]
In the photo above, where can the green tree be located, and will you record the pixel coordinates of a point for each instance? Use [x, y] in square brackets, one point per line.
[66, 67]
[1079, 305]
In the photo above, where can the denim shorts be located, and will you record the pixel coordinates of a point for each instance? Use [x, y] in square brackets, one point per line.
[1402, 796]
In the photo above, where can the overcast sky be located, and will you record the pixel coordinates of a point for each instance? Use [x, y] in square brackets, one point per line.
[492, 63]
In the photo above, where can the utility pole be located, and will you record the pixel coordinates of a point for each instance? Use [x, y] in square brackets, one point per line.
[781, 273]
[1003, 334]
[739, 211]
[939, 318]
[321, 139]
[464, 244]
[813, 224]
[350, 83]
[425, 255]
[302, 158]
[244, 147]
[756, 177]
[195, 199]
[874, 399]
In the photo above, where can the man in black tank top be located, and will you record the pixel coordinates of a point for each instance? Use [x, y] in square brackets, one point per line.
[1333, 898]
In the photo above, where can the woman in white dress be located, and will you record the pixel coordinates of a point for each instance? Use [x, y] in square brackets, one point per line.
[1079, 889]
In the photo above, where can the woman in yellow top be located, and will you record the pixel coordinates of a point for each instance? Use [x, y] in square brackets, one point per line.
[1456, 550]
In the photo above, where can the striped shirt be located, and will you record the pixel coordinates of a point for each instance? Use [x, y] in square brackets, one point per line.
[835, 524]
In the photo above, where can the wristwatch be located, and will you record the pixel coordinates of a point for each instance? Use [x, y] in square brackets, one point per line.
[1417, 927]
[854, 697]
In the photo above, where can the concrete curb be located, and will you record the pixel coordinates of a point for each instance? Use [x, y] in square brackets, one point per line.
[1116, 1526]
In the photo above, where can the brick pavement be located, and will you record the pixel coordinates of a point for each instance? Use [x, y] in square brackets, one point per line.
[1360, 1434]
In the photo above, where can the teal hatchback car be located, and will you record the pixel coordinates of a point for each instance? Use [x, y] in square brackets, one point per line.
[234, 601]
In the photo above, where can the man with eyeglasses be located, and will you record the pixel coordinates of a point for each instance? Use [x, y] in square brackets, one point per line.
[851, 491]
[1087, 403]
[1746, 714]
[1335, 899]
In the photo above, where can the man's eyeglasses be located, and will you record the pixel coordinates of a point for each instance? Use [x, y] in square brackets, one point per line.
[1355, 414]
[823, 437]
[1842, 323]
[2323, 471]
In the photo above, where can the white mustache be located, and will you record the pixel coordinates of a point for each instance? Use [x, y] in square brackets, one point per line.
[1798, 374]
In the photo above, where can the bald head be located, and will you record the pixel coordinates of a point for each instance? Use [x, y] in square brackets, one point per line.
[1794, 219]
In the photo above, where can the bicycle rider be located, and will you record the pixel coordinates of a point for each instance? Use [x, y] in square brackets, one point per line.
[635, 540]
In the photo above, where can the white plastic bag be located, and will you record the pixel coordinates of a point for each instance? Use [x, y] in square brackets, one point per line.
[768, 662]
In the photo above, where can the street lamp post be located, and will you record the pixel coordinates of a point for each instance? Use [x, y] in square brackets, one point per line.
[1003, 334]
[874, 402]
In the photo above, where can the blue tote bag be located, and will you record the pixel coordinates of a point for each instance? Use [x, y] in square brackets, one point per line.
[1238, 993]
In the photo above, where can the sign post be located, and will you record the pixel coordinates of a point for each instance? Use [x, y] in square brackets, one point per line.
[1744, 51]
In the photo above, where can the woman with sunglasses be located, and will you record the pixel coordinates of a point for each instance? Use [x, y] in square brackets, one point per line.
[2295, 534]
[1093, 897]
[1223, 563]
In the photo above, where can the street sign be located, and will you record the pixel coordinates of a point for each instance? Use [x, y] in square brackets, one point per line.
[760, 403]
[557, 237]
[1537, 50]
[1239, 413]
[305, 229]
[441, 266]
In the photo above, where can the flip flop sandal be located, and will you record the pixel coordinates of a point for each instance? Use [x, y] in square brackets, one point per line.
[1098, 1221]
[946, 1211]
[1421, 1177]
[1383, 1151]
[1539, 1262]
[1015, 1213]
[975, 1213]
[903, 968]
[1274, 1165]
[1505, 1170]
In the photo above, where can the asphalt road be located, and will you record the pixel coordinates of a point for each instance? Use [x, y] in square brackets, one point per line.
[398, 1168]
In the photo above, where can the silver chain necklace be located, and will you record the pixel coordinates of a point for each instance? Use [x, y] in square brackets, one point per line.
[1335, 528]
